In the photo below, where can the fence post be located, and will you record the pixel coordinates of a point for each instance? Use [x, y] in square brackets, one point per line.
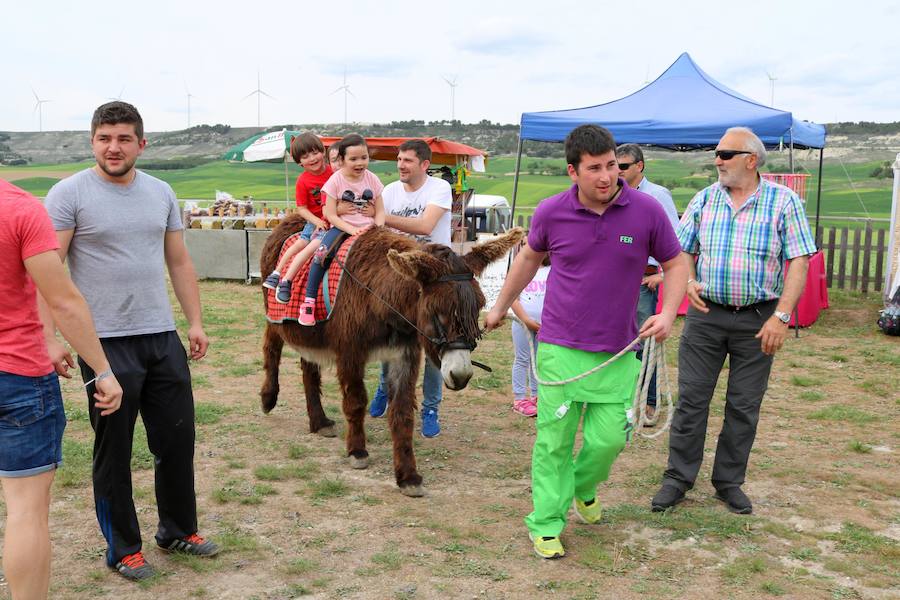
[842, 259]
[879, 259]
[832, 249]
[867, 257]
[854, 272]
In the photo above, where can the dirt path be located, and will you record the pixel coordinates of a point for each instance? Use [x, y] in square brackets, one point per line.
[296, 521]
[13, 174]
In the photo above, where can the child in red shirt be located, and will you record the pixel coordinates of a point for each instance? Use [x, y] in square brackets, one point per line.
[307, 151]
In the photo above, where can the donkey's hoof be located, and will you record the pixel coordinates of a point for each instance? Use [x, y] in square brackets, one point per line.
[267, 402]
[413, 491]
[328, 431]
[361, 462]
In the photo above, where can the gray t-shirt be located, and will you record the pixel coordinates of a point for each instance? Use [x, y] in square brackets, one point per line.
[116, 256]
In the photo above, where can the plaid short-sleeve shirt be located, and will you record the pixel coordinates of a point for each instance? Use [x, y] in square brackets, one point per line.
[741, 252]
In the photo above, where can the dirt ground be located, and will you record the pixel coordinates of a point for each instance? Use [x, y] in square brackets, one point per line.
[12, 174]
[295, 520]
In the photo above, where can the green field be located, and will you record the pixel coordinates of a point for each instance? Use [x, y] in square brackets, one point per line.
[264, 181]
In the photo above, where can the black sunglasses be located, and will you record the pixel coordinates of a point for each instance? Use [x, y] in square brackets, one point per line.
[349, 196]
[729, 154]
[625, 166]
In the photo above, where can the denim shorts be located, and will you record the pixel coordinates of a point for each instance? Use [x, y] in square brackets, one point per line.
[308, 230]
[32, 421]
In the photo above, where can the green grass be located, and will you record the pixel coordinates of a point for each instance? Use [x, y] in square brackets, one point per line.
[207, 413]
[843, 413]
[801, 381]
[328, 488]
[859, 447]
[283, 472]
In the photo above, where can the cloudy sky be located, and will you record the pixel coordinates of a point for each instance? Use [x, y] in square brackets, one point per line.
[833, 61]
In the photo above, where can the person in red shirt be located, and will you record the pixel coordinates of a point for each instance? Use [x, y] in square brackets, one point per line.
[32, 418]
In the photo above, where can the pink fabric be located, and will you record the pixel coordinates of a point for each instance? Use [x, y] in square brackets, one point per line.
[336, 185]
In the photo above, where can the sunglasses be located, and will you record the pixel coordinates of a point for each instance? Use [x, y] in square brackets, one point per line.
[729, 154]
[625, 166]
[349, 196]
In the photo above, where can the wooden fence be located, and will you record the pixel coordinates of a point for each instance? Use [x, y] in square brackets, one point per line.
[855, 257]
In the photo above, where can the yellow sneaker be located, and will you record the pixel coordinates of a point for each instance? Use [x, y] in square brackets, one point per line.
[547, 546]
[587, 513]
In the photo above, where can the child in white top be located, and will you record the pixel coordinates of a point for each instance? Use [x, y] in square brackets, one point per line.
[528, 308]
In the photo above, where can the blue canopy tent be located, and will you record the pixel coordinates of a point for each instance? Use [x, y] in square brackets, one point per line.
[683, 109]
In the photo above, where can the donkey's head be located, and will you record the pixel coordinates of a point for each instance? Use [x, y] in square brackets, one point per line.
[450, 300]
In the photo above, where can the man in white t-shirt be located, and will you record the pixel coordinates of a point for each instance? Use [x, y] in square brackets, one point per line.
[418, 205]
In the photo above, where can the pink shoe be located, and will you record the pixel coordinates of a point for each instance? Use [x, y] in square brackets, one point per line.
[525, 407]
[307, 313]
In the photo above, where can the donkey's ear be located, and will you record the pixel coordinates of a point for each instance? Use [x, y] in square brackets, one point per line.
[484, 254]
[415, 264]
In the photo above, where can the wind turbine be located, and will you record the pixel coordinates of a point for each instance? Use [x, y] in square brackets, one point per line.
[189, 96]
[38, 106]
[119, 97]
[772, 79]
[452, 83]
[259, 94]
[347, 92]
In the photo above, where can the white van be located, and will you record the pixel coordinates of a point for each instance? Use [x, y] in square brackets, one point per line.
[491, 214]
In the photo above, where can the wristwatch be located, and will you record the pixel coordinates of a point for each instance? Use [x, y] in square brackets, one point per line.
[782, 316]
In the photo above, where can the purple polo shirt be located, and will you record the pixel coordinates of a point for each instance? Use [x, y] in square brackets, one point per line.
[597, 265]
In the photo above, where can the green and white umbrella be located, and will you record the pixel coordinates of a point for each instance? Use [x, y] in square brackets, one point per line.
[273, 146]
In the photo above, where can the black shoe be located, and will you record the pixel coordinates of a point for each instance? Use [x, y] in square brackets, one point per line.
[134, 567]
[667, 497]
[736, 500]
[192, 544]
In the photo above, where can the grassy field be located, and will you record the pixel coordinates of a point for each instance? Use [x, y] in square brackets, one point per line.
[684, 175]
[296, 521]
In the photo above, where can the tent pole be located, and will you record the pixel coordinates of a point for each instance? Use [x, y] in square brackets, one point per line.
[512, 212]
[791, 151]
[287, 199]
[819, 193]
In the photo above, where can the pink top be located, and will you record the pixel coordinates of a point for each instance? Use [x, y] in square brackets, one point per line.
[337, 184]
[25, 231]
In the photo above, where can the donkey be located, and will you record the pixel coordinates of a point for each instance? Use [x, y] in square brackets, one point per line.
[397, 298]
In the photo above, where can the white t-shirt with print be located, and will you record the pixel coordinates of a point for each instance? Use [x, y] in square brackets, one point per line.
[532, 297]
[399, 202]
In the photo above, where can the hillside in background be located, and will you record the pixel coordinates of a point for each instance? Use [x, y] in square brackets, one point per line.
[855, 142]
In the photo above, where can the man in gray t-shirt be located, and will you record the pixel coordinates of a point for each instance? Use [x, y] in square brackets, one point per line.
[121, 229]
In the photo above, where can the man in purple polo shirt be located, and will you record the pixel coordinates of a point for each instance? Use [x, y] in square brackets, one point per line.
[599, 235]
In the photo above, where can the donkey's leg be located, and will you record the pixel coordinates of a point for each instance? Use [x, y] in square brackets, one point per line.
[272, 345]
[402, 376]
[312, 389]
[350, 370]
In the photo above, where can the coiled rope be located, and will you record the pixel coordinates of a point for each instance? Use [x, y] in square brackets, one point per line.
[652, 360]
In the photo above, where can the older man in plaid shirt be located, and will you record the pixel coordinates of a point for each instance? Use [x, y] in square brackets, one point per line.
[741, 230]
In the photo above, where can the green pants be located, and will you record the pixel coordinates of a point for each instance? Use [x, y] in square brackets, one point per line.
[602, 398]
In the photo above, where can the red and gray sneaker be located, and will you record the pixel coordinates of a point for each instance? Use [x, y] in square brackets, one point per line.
[134, 567]
[192, 544]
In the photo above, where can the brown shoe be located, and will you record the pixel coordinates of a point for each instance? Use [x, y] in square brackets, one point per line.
[651, 416]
